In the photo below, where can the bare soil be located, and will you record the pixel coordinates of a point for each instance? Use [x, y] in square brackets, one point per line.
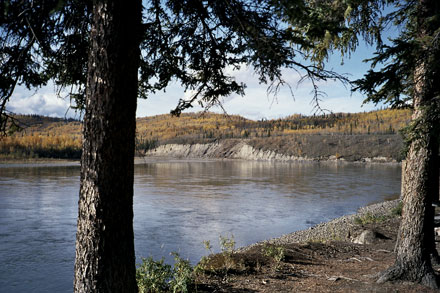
[310, 266]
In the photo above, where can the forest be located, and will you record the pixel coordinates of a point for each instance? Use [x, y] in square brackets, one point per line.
[46, 137]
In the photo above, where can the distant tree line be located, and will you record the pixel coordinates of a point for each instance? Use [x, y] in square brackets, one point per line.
[47, 137]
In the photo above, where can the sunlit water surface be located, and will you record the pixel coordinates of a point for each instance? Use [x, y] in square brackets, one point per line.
[177, 205]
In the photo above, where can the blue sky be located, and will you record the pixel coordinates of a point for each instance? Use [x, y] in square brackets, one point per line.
[256, 104]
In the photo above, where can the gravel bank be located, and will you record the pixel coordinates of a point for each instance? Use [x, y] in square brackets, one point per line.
[337, 229]
[241, 149]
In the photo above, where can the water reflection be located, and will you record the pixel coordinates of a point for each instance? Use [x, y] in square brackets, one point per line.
[177, 205]
[192, 201]
[37, 220]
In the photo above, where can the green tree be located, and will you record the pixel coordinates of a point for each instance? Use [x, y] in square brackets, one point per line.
[97, 50]
[408, 77]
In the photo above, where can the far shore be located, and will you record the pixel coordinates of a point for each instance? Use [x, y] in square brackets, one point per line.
[38, 161]
[148, 158]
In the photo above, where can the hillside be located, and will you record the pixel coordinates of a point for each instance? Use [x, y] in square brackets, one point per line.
[341, 135]
[196, 127]
[43, 137]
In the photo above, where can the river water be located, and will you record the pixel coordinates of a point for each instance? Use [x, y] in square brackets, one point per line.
[177, 205]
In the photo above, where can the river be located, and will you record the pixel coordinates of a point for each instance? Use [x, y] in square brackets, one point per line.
[177, 205]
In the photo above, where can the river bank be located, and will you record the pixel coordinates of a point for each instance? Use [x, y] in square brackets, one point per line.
[10, 162]
[343, 255]
[316, 148]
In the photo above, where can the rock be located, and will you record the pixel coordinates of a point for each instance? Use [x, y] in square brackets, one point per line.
[366, 237]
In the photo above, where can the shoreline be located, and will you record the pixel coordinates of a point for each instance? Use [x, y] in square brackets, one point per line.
[39, 162]
[343, 228]
[145, 159]
[243, 150]
[345, 254]
[332, 149]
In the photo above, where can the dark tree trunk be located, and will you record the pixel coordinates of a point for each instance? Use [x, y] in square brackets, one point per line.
[415, 244]
[105, 259]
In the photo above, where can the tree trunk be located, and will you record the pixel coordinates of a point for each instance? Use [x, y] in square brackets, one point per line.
[434, 193]
[105, 259]
[415, 244]
[403, 183]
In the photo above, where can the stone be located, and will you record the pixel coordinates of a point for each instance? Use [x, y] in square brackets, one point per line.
[366, 237]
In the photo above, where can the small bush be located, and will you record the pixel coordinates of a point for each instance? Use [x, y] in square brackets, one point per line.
[369, 218]
[153, 276]
[208, 245]
[156, 276]
[227, 245]
[223, 262]
[277, 253]
[182, 280]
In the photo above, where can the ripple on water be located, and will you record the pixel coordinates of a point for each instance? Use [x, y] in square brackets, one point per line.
[177, 205]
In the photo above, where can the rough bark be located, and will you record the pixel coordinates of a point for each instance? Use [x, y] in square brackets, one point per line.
[105, 259]
[433, 191]
[403, 179]
[413, 247]
[415, 244]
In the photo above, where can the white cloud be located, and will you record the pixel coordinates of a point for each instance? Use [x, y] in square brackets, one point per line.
[43, 102]
[161, 102]
[242, 72]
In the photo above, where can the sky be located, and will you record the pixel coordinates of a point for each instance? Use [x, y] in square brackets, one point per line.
[256, 104]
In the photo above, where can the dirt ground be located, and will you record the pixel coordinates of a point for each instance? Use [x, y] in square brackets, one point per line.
[334, 266]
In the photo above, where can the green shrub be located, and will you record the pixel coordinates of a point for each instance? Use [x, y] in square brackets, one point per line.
[182, 279]
[227, 244]
[208, 245]
[277, 253]
[153, 276]
[369, 218]
[223, 262]
[156, 276]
